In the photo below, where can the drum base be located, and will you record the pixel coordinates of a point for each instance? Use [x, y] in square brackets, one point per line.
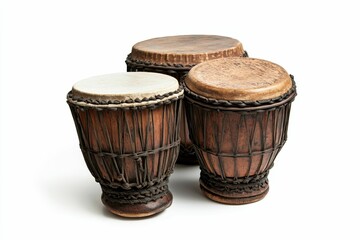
[138, 210]
[234, 198]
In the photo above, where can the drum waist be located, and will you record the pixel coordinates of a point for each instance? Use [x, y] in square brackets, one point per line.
[135, 154]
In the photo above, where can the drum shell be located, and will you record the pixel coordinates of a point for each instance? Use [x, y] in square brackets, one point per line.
[237, 141]
[129, 148]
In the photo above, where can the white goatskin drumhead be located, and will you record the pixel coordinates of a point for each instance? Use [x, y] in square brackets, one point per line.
[123, 86]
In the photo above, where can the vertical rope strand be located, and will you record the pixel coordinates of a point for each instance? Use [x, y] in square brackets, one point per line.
[160, 162]
[208, 162]
[141, 160]
[219, 146]
[153, 143]
[134, 145]
[109, 141]
[167, 138]
[273, 145]
[262, 140]
[250, 142]
[235, 146]
[107, 174]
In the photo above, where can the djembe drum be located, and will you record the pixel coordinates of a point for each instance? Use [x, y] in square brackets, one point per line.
[238, 114]
[128, 128]
[175, 56]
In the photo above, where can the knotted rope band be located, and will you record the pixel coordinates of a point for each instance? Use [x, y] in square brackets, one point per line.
[128, 104]
[238, 185]
[240, 105]
[132, 196]
[170, 66]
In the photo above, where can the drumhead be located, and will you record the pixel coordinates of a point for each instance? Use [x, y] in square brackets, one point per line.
[125, 86]
[243, 79]
[186, 49]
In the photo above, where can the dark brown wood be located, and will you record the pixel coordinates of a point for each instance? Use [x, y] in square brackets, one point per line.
[138, 210]
[175, 56]
[130, 148]
[237, 140]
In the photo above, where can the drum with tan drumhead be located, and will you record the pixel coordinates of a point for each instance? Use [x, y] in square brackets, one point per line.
[238, 115]
[175, 56]
[128, 128]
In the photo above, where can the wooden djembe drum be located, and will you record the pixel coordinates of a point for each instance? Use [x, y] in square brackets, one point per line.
[238, 114]
[128, 128]
[175, 56]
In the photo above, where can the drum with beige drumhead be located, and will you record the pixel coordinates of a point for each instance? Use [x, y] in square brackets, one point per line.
[128, 128]
[238, 114]
[175, 56]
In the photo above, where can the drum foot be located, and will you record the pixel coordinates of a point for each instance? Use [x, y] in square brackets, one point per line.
[138, 210]
[230, 197]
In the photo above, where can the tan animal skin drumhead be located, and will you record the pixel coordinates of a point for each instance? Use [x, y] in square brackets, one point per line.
[186, 49]
[242, 79]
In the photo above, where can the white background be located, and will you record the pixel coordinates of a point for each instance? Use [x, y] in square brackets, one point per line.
[46, 191]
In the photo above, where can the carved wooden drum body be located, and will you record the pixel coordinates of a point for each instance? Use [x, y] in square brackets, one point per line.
[128, 128]
[238, 114]
[175, 56]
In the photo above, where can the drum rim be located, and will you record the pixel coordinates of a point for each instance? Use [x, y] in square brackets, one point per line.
[172, 66]
[151, 102]
[241, 105]
[185, 53]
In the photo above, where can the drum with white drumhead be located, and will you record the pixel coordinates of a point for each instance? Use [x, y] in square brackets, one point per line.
[128, 128]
